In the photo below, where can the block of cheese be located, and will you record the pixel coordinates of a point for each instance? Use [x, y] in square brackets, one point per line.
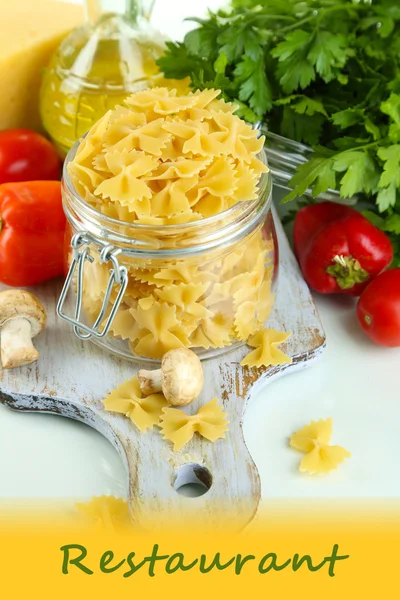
[30, 30]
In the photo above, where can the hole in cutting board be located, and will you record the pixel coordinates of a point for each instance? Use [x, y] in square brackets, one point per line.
[192, 480]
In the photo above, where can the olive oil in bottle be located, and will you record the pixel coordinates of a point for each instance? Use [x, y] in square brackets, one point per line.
[96, 67]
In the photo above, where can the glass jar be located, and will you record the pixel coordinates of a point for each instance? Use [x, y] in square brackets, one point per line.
[284, 156]
[140, 290]
[97, 66]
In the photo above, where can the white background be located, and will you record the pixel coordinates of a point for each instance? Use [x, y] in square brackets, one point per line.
[356, 383]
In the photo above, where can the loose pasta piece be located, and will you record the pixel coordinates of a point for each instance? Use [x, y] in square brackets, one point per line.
[205, 98]
[126, 186]
[319, 432]
[123, 121]
[210, 422]
[124, 325]
[173, 198]
[241, 140]
[160, 100]
[106, 512]
[266, 352]
[265, 302]
[91, 308]
[150, 138]
[84, 178]
[176, 272]
[247, 180]
[159, 330]
[96, 276]
[209, 205]
[215, 332]
[183, 217]
[92, 144]
[180, 168]
[314, 440]
[127, 399]
[245, 320]
[187, 296]
[219, 179]
[323, 459]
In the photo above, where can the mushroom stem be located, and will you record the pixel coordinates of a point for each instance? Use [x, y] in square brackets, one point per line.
[180, 378]
[16, 343]
[150, 381]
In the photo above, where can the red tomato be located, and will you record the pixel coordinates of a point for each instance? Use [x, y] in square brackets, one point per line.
[378, 309]
[27, 156]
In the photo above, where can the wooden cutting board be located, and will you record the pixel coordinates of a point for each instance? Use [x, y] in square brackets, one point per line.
[72, 377]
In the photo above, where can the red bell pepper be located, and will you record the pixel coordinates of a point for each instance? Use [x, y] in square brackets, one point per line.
[339, 250]
[32, 225]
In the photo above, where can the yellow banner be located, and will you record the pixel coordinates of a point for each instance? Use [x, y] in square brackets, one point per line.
[311, 550]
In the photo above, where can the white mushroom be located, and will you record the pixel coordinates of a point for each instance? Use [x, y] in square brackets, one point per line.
[22, 317]
[180, 378]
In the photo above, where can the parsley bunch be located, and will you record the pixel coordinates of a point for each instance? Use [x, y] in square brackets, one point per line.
[322, 72]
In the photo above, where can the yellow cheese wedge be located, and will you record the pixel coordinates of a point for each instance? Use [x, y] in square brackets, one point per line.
[30, 30]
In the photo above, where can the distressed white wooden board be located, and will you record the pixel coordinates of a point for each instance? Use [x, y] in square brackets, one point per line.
[72, 377]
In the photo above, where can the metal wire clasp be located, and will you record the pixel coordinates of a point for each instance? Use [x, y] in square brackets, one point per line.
[80, 245]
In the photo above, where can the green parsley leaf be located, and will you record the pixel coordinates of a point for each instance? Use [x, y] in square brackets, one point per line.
[391, 107]
[178, 63]
[301, 127]
[221, 63]
[360, 173]
[293, 46]
[254, 86]
[386, 197]
[372, 128]
[201, 42]
[294, 70]
[245, 112]
[348, 117]
[316, 171]
[391, 167]
[392, 224]
[303, 105]
[328, 53]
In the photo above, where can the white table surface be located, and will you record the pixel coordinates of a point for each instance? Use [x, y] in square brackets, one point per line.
[355, 384]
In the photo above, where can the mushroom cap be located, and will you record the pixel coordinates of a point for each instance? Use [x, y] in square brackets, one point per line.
[19, 303]
[182, 376]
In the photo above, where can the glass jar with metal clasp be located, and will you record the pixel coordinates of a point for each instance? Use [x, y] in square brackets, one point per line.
[140, 290]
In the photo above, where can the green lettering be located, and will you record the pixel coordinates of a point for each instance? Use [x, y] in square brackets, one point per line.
[74, 561]
[105, 560]
[153, 558]
[131, 564]
[240, 562]
[215, 563]
[179, 558]
[333, 558]
[262, 569]
[297, 562]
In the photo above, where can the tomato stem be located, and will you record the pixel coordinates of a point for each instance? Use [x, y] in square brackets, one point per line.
[347, 271]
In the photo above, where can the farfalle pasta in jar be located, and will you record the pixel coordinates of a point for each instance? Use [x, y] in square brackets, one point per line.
[170, 240]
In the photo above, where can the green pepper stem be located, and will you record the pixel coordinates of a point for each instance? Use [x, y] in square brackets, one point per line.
[347, 271]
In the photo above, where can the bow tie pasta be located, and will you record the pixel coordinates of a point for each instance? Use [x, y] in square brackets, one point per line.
[165, 159]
